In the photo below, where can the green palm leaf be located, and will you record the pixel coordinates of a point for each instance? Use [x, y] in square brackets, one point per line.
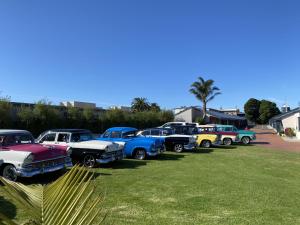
[67, 201]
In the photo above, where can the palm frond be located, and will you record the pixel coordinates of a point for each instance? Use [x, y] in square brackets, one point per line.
[67, 201]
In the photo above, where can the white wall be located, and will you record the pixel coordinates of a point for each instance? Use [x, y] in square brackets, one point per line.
[185, 116]
[292, 122]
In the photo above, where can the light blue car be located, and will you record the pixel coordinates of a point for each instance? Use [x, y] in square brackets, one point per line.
[134, 146]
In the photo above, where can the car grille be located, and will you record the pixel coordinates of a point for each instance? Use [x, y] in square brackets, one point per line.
[48, 163]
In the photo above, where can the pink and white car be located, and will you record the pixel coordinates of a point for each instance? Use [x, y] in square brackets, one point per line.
[20, 156]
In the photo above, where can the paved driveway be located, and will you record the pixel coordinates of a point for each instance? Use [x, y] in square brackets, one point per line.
[269, 139]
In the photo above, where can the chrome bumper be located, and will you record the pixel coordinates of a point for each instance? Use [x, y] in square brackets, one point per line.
[30, 172]
[190, 146]
[217, 143]
[111, 157]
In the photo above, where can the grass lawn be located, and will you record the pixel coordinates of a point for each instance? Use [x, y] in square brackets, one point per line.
[240, 185]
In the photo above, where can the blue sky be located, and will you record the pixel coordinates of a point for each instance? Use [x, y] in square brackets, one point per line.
[111, 51]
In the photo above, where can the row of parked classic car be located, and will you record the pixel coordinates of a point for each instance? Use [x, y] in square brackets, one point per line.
[23, 156]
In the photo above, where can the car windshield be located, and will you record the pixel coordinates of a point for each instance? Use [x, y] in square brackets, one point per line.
[81, 137]
[129, 134]
[16, 139]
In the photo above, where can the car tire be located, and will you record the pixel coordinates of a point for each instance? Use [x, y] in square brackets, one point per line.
[89, 161]
[206, 144]
[9, 172]
[227, 141]
[246, 140]
[140, 154]
[178, 148]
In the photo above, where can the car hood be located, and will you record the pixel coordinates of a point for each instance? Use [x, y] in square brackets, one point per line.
[96, 145]
[40, 152]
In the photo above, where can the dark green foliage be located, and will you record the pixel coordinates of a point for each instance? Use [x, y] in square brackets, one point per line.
[205, 91]
[251, 109]
[267, 110]
[44, 116]
[289, 132]
[140, 105]
[200, 120]
[5, 115]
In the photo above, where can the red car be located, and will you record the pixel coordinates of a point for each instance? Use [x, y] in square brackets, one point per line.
[20, 156]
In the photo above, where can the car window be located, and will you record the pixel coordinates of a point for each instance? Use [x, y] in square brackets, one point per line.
[129, 134]
[63, 137]
[146, 132]
[155, 132]
[115, 134]
[235, 129]
[227, 128]
[81, 137]
[48, 137]
[106, 134]
[16, 139]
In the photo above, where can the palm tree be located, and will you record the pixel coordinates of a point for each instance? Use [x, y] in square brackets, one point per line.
[204, 91]
[140, 105]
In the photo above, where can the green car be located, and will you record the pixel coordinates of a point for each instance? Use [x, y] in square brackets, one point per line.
[244, 136]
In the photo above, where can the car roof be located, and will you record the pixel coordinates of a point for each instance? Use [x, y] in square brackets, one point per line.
[69, 130]
[11, 131]
[122, 129]
[221, 125]
[159, 128]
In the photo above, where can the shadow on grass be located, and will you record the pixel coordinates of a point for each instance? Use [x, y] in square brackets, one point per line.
[203, 150]
[48, 178]
[7, 208]
[169, 157]
[125, 164]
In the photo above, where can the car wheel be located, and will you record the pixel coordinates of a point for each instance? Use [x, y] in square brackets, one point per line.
[140, 154]
[89, 161]
[9, 172]
[246, 140]
[178, 148]
[206, 144]
[227, 141]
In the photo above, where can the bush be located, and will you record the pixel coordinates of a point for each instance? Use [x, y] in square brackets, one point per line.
[200, 120]
[289, 132]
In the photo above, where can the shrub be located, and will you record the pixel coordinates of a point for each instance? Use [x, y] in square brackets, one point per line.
[289, 132]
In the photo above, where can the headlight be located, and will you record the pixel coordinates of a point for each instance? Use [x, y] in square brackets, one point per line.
[29, 159]
[69, 151]
[153, 148]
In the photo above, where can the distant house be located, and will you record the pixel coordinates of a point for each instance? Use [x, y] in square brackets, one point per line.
[190, 114]
[290, 119]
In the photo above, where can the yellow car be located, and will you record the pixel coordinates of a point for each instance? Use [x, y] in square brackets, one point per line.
[207, 140]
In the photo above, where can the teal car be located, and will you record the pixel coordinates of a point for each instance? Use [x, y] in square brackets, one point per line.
[244, 136]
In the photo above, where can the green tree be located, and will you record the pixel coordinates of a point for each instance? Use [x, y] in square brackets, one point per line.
[74, 117]
[6, 119]
[46, 116]
[267, 110]
[140, 105]
[154, 107]
[205, 91]
[26, 117]
[251, 109]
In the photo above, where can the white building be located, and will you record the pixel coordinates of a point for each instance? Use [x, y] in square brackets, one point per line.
[290, 119]
[78, 104]
[123, 108]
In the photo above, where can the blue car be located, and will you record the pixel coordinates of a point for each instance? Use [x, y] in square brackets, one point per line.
[134, 146]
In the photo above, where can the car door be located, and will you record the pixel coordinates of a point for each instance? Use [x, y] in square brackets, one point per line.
[62, 140]
[48, 139]
[155, 133]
